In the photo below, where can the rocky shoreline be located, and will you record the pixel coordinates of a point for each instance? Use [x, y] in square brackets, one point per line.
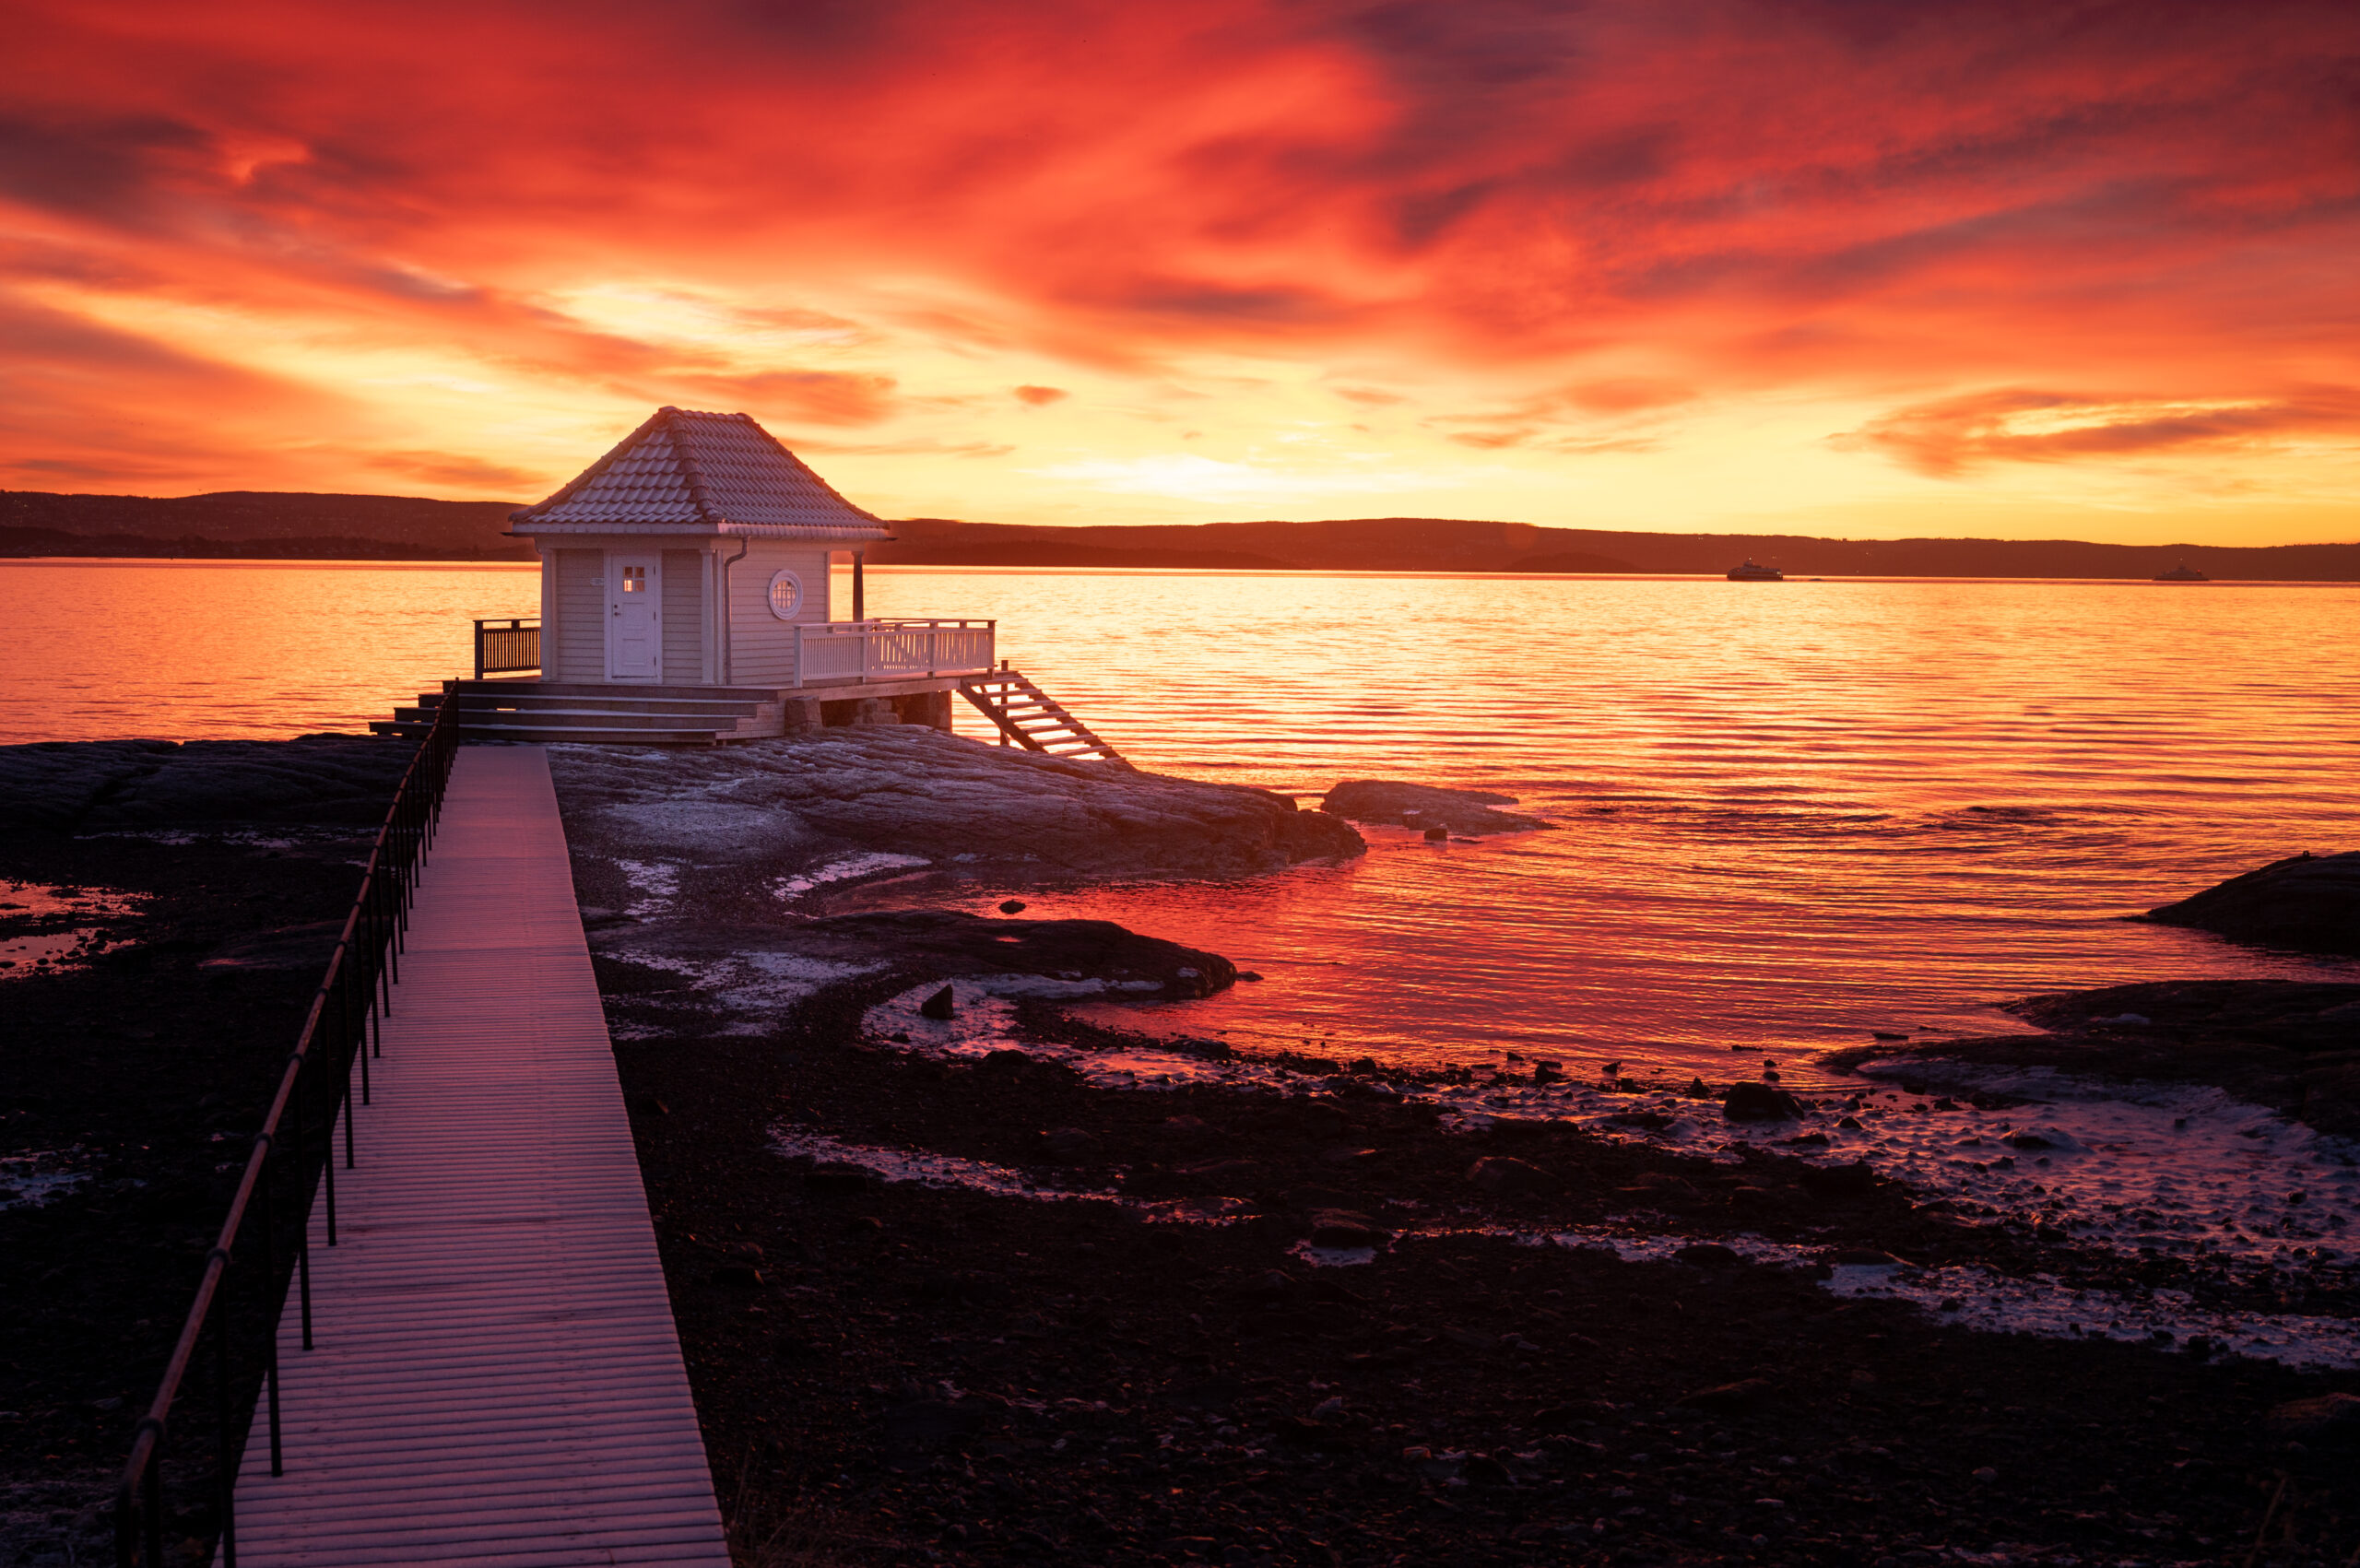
[962, 1278]
[920, 1370]
[186, 899]
[1009, 1287]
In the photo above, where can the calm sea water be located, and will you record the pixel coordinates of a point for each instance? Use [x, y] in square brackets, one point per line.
[1788, 813]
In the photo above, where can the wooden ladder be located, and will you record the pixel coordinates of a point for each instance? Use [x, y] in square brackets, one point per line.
[1032, 719]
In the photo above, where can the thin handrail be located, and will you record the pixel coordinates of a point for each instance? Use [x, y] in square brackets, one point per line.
[342, 1027]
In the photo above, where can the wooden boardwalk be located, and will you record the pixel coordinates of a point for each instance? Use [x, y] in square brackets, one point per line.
[497, 1379]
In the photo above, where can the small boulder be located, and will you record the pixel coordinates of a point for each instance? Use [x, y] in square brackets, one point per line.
[943, 1004]
[1503, 1175]
[1223, 1171]
[1439, 812]
[1070, 1144]
[1012, 906]
[1481, 1470]
[1760, 1102]
[835, 1180]
[2323, 1416]
[1742, 1394]
[1854, 1180]
[1343, 1227]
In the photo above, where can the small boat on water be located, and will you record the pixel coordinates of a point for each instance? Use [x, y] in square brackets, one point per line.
[2183, 573]
[1749, 573]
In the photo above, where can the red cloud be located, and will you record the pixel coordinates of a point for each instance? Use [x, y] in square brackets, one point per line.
[1040, 397]
[1754, 194]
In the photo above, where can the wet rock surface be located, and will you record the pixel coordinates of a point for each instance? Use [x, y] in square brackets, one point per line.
[2291, 1045]
[2307, 902]
[1426, 806]
[793, 804]
[144, 1067]
[947, 942]
[947, 1374]
[102, 785]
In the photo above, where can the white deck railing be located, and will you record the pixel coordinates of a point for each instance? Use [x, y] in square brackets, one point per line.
[890, 650]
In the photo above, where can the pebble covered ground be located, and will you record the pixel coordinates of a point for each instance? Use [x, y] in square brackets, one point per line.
[1305, 1320]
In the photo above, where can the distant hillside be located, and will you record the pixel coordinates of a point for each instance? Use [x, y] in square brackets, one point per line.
[1429, 543]
[257, 524]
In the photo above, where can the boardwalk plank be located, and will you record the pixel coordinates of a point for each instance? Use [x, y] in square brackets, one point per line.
[497, 1380]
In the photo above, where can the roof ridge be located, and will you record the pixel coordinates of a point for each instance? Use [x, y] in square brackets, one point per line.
[716, 472]
[699, 493]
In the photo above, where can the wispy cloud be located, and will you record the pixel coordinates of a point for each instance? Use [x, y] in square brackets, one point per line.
[1952, 436]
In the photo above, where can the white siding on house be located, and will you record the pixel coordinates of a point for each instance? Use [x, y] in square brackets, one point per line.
[761, 650]
[684, 619]
[580, 644]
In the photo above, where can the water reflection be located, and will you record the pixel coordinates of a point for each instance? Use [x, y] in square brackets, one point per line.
[1786, 814]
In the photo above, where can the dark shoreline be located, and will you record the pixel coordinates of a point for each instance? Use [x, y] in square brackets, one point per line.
[160, 1068]
[819, 1362]
[906, 1374]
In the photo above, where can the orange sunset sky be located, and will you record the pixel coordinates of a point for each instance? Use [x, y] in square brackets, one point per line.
[1836, 267]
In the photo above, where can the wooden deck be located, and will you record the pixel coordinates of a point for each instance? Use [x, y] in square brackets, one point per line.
[497, 1379]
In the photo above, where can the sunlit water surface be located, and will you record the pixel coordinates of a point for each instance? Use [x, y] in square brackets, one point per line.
[1787, 813]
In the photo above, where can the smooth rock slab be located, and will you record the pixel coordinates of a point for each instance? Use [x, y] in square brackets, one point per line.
[99, 785]
[905, 789]
[2308, 902]
[1425, 806]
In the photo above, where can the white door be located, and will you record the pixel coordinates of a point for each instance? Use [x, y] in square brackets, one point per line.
[634, 621]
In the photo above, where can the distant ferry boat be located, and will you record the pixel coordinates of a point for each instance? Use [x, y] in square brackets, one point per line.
[1749, 573]
[2183, 573]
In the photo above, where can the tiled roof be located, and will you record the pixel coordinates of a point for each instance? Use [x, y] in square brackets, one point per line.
[686, 472]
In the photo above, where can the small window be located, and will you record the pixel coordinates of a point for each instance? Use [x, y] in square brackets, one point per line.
[786, 595]
[634, 579]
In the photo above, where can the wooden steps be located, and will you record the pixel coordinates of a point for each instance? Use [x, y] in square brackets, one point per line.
[1028, 716]
[634, 716]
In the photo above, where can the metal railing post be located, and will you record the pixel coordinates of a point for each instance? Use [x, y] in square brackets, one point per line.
[155, 1489]
[346, 1021]
[270, 1281]
[302, 1231]
[224, 1462]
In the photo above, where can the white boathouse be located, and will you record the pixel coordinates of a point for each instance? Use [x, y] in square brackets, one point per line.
[696, 554]
[686, 597]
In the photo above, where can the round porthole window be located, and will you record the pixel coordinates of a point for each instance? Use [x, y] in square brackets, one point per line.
[786, 595]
